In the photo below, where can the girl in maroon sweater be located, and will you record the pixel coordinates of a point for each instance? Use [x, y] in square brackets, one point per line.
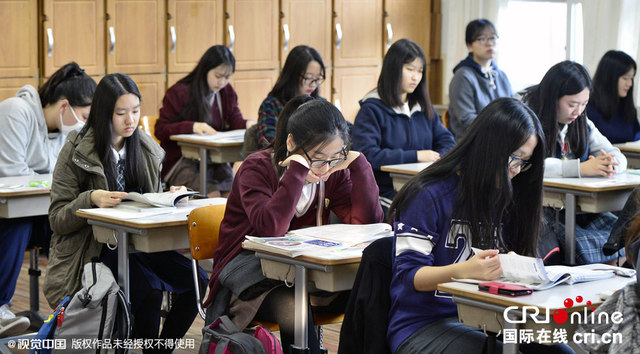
[274, 191]
[202, 102]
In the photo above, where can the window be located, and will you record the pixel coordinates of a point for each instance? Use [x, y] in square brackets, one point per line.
[534, 37]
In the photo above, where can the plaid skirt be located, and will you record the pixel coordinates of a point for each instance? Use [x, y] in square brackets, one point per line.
[592, 232]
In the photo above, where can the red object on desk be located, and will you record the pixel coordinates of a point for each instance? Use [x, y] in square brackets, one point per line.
[504, 289]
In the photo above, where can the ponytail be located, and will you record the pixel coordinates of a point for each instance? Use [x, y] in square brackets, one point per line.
[70, 82]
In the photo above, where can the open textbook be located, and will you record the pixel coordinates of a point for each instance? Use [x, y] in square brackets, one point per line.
[531, 272]
[165, 199]
[332, 241]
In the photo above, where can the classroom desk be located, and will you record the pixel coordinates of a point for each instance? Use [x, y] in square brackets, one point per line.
[18, 199]
[631, 151]
[587, 194]
[157, 233]
[310, 274]
[483, 310]
[220, 148]
[402, 173]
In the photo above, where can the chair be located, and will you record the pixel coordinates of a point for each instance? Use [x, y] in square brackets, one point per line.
[445, 119]
[204, 230]
[148, 125]
[33, 314]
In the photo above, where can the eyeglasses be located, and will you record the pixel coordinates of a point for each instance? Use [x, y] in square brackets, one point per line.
[309, 80]
[485, 40]
[320, 163]
[517, 161]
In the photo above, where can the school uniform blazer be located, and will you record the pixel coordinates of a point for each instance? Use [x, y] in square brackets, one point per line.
[170, 121]
[79, 172]
[388, 137]
[260, 204]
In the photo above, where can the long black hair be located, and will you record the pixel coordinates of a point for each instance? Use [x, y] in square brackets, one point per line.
[110, 88]
[563, 79]
[310, 122]
[605, 98]
[70, 82]
[486, 195]
[288, 82]
[404, 51]
[199, 106]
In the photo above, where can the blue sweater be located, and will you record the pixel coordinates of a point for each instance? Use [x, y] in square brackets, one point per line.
[425, 236]
[387, 137]
[617, 130]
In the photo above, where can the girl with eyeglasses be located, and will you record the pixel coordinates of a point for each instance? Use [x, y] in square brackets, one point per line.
[202, 102]
[278, 189]
[611, 107]
[477, 195]
[575, 148]
[396, 122]
[302, 74]
[477, 80]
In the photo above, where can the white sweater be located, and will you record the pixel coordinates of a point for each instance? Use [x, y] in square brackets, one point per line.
[26, 146]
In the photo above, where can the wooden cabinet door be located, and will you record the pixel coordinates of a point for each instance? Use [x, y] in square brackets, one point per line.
[19, 43]
[305, 22]
[357, 32]
[73, 31]
[408, 19]
[252, 88]
[251, 31]
[135, 38]
[192, 27]
[350, 85]
[152, 90]
[9, 87]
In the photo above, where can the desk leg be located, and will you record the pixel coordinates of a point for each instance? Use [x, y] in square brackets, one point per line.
[570, 229]
[123, 263]
[300, 339]
[510, 348]
[203, 171]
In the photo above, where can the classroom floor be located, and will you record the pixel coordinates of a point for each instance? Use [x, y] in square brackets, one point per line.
[21, 303]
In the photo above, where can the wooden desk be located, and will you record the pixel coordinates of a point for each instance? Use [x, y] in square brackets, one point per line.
[18, 199]
[310, 274]
[483, 310]
[587, 194]
[631, 151]
[402, 173]
[220, 148]
[162, 232]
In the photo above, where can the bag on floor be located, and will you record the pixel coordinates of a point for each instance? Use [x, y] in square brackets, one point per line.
[92, 320]
[223, 337]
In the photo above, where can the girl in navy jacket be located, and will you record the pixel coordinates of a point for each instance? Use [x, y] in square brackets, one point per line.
[396, 122]
[486, 193]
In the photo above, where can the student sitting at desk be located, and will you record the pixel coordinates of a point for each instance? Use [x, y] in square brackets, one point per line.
[302, 74]
[202, 102]
[574, 148]
[279, 189]
[464, 199]
[96, 168]
[33, 127]
[476, 79]
[396, 122]
[611, 107]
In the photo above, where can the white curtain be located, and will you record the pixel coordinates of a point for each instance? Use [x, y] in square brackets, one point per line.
[456, 14]
[611, 24]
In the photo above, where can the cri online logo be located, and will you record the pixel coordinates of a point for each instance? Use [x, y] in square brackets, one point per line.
[561, 316]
